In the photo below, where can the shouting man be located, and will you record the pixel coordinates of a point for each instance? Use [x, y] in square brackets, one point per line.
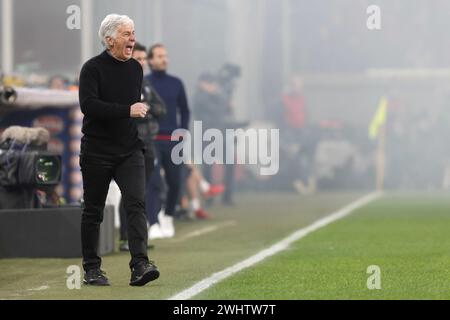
[110, 95]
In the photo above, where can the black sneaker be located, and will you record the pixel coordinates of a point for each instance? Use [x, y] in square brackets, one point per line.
[96, 277]
[143, 273]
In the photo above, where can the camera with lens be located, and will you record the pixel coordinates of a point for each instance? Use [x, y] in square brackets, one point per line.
[26, 166]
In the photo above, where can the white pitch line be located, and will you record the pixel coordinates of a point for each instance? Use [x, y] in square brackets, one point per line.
[41, 288]
[274, 249]
[205, 230]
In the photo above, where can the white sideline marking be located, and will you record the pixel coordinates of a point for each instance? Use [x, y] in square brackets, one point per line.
[205, 230]
[26, 292]
[277, 247]
[41, 288]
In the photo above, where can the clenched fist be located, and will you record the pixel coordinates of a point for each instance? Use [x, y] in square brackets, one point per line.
[139, 110]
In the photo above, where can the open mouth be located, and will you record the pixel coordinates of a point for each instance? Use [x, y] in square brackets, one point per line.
[129, 49]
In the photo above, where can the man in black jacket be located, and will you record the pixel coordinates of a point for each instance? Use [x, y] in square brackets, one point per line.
[110, 95]
[147, 130]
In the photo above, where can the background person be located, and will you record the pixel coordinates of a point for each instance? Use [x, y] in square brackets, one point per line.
[171, 90]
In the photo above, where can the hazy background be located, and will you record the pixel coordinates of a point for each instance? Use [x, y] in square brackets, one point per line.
[345, 69]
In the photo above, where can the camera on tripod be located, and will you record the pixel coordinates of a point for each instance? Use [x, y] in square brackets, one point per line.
[26, 166]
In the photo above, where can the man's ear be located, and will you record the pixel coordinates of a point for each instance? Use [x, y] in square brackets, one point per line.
[110, 41]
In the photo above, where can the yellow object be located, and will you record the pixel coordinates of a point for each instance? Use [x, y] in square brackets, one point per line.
[13, 81]
[379, 118]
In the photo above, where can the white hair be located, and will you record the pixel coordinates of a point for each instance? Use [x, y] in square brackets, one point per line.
[110, 25]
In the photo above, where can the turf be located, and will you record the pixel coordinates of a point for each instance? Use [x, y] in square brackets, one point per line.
[407, 236]
[255, 223]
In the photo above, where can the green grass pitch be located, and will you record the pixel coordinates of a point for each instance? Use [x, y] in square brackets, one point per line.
[406, 235]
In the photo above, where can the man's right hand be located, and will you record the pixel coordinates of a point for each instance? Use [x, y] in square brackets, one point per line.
[138, 110]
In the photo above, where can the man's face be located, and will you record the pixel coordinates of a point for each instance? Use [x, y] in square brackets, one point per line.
[160, 60]
[122, 46]
[141, 57]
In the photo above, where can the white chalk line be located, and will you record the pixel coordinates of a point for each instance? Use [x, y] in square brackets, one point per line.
[274, 249]
[205, 230]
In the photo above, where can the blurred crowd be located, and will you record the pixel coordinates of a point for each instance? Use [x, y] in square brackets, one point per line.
[315, 154]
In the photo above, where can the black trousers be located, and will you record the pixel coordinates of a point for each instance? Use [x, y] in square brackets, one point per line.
[172, 173]
[129, 174]
[149, 161]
